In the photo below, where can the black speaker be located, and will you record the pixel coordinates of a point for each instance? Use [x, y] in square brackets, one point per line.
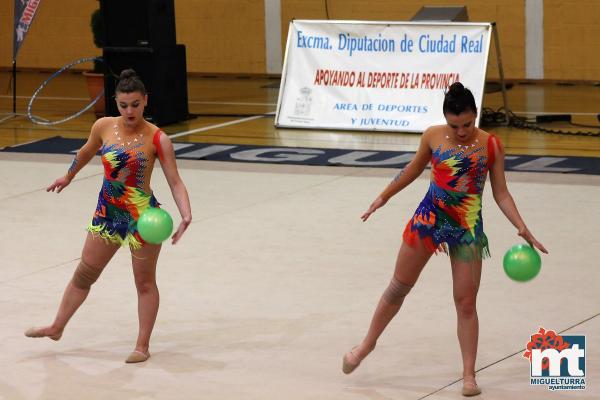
[442, 13]
[129, 23]
[163, 71]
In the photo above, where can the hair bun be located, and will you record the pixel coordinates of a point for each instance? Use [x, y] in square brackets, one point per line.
[456, 87]
[458, 99]
[127, 73]
[130, 82]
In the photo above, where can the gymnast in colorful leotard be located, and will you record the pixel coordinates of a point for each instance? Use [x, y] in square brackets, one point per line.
[129, 146]
[447, 220]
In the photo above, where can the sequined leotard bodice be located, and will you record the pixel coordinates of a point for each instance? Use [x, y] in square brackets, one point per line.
[450, 212]
[128, 162]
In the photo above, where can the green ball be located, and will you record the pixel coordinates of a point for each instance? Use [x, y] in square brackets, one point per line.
[155, 225]
[522, 263]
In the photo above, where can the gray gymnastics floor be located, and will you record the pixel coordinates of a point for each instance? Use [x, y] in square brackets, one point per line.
[276, 278]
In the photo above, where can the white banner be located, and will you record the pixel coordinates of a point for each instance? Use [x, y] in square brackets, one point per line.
[384, 76]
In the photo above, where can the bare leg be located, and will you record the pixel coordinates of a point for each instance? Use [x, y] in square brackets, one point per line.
[144, 270]
[96, 253]
[409, 264]
[466, 276]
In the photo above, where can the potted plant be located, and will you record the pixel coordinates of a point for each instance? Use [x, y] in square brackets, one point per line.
[95, 78]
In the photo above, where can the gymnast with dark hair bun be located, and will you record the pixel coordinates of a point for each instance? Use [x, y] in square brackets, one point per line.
[447, 220]
[129, 146]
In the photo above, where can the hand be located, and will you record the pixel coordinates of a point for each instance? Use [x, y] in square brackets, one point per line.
[525, 234]
[180, 230]
[59, 184]
[379, 202]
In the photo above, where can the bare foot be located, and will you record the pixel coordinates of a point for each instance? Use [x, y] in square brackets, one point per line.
[47, 331]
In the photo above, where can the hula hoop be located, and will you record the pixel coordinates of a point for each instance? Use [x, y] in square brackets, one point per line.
[42, 121]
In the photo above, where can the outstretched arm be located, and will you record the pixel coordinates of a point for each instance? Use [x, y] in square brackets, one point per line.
[405, 177]
[505, 200]
[178, 189]
[83, 156]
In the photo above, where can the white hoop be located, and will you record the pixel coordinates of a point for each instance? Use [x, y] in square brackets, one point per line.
[42, 121]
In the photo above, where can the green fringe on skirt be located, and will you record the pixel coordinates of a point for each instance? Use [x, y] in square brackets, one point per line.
[102, 231]
[477, 250]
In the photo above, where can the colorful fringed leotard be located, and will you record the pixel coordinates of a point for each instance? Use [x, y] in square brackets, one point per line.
[125, 193]
[450, 213]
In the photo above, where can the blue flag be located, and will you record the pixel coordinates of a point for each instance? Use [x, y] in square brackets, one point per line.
[24, 14]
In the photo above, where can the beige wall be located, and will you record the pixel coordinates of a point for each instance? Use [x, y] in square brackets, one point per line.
[572, 39]
[228, 36]
[223, 36]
